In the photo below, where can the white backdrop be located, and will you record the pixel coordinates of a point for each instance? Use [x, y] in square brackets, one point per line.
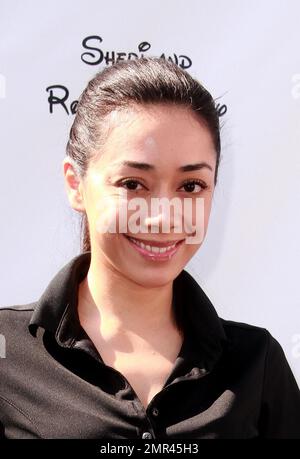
[246, 53]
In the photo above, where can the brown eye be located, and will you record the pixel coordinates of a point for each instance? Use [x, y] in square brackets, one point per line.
[130, 184]
[194, 186]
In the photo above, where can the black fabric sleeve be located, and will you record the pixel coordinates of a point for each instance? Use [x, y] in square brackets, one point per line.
[280, 408]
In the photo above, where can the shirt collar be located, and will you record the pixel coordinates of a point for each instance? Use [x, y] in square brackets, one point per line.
[56, 311]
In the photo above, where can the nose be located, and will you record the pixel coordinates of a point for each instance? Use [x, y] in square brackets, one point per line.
[165, 215]
[174, 215]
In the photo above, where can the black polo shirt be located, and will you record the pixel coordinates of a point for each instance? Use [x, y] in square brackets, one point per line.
[230, 379]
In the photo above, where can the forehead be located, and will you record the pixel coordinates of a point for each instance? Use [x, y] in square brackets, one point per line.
[157, 134]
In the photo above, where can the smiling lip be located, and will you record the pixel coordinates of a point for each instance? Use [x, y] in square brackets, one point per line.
[155, 243]
[165, 255]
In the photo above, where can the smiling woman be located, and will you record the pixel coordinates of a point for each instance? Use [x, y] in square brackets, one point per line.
[163, 145]
[123, 341]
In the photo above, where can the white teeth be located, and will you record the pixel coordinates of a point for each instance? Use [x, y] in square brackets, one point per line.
[152, 248]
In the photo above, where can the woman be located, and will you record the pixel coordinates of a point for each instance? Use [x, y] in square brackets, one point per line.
[124, 343]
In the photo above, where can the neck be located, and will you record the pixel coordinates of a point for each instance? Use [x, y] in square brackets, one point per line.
[116, 304]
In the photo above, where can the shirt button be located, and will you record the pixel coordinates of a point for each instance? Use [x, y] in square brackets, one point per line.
[195, 371]
[146, 435]
[155, 412]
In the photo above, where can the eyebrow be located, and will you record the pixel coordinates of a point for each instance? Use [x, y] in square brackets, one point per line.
[150, 167]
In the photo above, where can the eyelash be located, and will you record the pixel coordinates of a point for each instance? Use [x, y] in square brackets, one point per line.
[196, 181]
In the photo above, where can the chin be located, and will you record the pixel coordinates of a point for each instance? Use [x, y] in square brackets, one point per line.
[151, 278]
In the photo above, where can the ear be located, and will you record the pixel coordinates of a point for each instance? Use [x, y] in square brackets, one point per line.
[73, 185]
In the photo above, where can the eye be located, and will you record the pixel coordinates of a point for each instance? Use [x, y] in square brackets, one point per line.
[131, 184]
[190, 185]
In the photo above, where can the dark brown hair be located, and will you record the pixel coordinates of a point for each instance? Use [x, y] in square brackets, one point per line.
[150, 80]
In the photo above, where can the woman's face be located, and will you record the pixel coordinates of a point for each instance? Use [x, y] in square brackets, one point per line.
[150, 153]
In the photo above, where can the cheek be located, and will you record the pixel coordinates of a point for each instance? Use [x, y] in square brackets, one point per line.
[207, 209]
[196, 211]
[106, 211]
[105, 220]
